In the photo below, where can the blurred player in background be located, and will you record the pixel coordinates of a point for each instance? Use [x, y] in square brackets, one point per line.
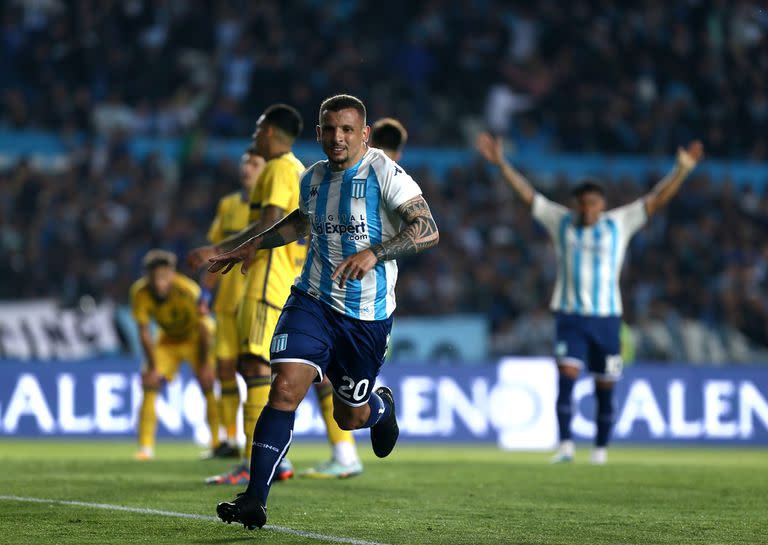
[173, 301]
[232, 216]
[364, 212]
[389, 135]
[590, 244]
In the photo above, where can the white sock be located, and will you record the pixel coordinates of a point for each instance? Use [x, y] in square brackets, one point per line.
[599, 455]
[345, 453]
[567, 448]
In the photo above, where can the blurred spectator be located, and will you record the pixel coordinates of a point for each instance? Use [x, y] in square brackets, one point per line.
[83, 229]
[590, 75]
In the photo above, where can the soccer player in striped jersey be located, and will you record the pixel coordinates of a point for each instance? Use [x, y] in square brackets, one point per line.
[389, 135]
[364, 212]
[266, 289]
[232, 216]
[590, 244]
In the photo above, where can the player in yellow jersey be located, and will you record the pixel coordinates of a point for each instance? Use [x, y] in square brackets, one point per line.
[267, 286]
[232, 216]
[173, 302]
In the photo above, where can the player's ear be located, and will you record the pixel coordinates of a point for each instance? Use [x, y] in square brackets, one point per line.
[366, 133]
[319, 132]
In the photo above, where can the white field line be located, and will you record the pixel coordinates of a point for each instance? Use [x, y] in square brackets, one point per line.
[173, 514]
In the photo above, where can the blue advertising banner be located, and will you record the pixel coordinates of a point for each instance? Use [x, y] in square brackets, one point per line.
[510, 402]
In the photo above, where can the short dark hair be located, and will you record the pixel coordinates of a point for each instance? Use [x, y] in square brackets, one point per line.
[388, 133]
[337, 103]
[588, 186]
[158, 258]
[284, 117]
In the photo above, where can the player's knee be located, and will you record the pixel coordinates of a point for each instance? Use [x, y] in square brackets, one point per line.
[250, 366]
[604, 384]
[284, 395]
[225, 369]
[150, 380]
[570, 371]
[206, 381]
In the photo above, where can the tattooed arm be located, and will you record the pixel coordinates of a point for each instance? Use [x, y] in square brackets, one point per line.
[287, 230]
[420, 233]
[270, 215]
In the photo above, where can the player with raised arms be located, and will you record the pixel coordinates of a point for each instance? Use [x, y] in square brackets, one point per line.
[364, 212]
[590, 244]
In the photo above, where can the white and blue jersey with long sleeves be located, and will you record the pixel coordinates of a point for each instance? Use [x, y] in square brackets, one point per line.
[589, 258]
[350, 211]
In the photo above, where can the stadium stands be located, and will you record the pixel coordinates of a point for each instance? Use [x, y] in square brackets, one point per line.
[585, 76]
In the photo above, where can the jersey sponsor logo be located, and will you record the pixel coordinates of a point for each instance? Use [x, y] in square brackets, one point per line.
[313, 191]
[358, 189]
[348, 227]
[279, 343]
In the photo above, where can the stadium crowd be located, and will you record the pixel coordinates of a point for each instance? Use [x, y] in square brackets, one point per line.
[84, 229]
[582, 76]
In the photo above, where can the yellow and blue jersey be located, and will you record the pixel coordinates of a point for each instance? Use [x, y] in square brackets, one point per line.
[273, 272]
[232, 216]
[177, 316]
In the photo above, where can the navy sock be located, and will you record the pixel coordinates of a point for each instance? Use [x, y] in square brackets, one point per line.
[564, 406]
[604, 416]
[380, 410]
[271, 439]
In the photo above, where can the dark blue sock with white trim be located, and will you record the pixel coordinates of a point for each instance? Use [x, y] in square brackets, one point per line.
[604, 415]
[564, 406]
[271, 440]
[380, 410]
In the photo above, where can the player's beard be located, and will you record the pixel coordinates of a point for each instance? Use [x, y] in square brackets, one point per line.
[343, 158]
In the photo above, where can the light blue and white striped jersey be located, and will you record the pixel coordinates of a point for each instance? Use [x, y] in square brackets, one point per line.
[589, 258]
[350, 211]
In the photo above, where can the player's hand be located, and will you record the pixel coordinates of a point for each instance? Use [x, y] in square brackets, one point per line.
[689, 157]
[491, 148]
[355, 267]
[242, 254]
[199, 256]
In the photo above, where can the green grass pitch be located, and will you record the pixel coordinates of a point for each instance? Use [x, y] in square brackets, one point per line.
[422, 494]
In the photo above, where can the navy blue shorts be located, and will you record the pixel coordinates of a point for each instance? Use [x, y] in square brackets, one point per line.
[591, 341]
[349, 351]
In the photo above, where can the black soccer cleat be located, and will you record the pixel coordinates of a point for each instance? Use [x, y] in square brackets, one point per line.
[385, 433]
[243, 509]
[224, 450]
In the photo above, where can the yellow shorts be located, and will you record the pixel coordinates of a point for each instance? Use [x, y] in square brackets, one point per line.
[170, 354]
[227, 347]
[256, 322]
